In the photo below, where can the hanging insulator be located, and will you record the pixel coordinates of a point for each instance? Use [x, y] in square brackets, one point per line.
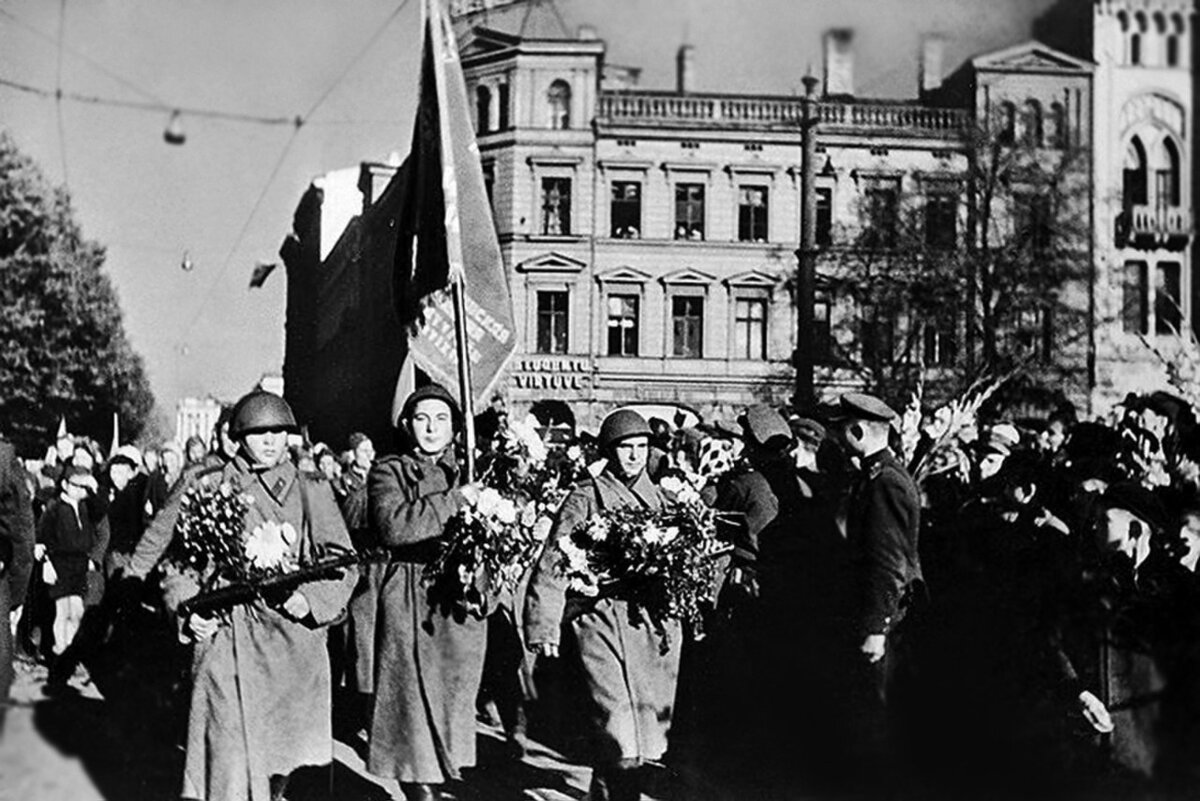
[186, 264]
[174, 134]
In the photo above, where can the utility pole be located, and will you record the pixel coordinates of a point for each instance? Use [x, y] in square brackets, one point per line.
[806, 277]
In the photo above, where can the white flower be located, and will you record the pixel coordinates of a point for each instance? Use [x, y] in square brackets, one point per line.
[660, 535]
[541, 529]
[506, 511]
[526, 433]
[489, 500]
[269, 545]
[577, 561]
[597, 529]
[529, 515]
[671, 485]
[574, 453]
[465, 576]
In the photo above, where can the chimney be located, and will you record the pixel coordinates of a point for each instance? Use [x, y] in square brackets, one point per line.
[586, 33]
[933, 48]
[839, 62]
[685, 71]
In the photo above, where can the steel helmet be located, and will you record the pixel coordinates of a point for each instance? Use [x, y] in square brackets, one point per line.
[428, 392]
[622, 424]
[261, 411]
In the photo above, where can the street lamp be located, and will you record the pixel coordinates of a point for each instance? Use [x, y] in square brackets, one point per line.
[806, 254]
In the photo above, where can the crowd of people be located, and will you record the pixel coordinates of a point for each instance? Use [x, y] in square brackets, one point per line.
[941, 602]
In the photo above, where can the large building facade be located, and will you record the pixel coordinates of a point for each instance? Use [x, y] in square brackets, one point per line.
[650, 236]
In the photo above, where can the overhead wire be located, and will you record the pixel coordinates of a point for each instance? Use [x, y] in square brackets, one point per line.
[58, 109]
[299, 122]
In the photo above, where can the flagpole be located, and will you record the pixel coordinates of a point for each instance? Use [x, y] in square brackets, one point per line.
[464, 372]
[440, 31]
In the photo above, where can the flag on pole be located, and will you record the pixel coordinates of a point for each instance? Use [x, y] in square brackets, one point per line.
[116, 438]
[62, 429]
[446, 233]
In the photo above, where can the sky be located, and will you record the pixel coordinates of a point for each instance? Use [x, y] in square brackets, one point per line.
[349, 69]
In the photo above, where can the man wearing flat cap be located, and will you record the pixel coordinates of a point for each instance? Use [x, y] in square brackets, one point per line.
[882, 520]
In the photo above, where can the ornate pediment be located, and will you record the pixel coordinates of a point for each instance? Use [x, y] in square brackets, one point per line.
[483, 41]
[551, 263]
[688, 275]
[753, 279]
[1030, 57]
[623, 275]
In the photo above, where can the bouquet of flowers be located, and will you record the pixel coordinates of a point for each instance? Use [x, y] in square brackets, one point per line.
[490, 544]
[934, 448]
[212, 548]
[661, 562]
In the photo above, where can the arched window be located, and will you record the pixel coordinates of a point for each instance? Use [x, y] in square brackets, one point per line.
[483, 109]
[559, 99]
[1007, 123]
[1031, 124]
[1166, 180]
[1133, 185]
[1056, 128]
[1174, 40]
[1159, 51]
[1135, 40]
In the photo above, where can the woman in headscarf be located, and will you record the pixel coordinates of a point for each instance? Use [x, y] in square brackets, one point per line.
[429, 660]
[630, 681]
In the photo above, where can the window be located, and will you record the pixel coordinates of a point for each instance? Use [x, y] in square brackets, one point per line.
[878, 334]
[1133, 184]
[1135, 305]
[502, 103]
[1135, 39]
[940, 343]
[882, 200]
[689, 211]
[483, 109]
[626, 209]
[941, 220]
[750, 328]
[552, 321]
[622, 325]
[824, 216]
[1166, 181]
[558, 97]
[489, 184]
[1007, 123]
[752, 214]
[1032, 333]
[822, 330]
[1056, 135]
[556, 206]
[1031, 124]
[1032, 221]
[1174, 54]
[1168, 302]
[687, 326]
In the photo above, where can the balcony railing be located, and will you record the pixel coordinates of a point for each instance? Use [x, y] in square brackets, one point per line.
[1160, 220]
[723, 111]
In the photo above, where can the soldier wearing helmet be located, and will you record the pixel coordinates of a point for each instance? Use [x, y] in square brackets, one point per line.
[429, 660]
[631, 682]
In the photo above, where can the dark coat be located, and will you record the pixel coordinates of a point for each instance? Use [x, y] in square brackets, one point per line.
[428, 665]
[364, 605]
[631, 683]
[16, 525]
[16, 553]
[261, 693]
[883, 511]
[72, 542]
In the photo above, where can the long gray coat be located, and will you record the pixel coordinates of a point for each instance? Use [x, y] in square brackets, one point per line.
[631, 684]
[261, 692]
[428, 665]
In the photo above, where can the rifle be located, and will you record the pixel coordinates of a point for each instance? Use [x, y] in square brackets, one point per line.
[278, 586]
